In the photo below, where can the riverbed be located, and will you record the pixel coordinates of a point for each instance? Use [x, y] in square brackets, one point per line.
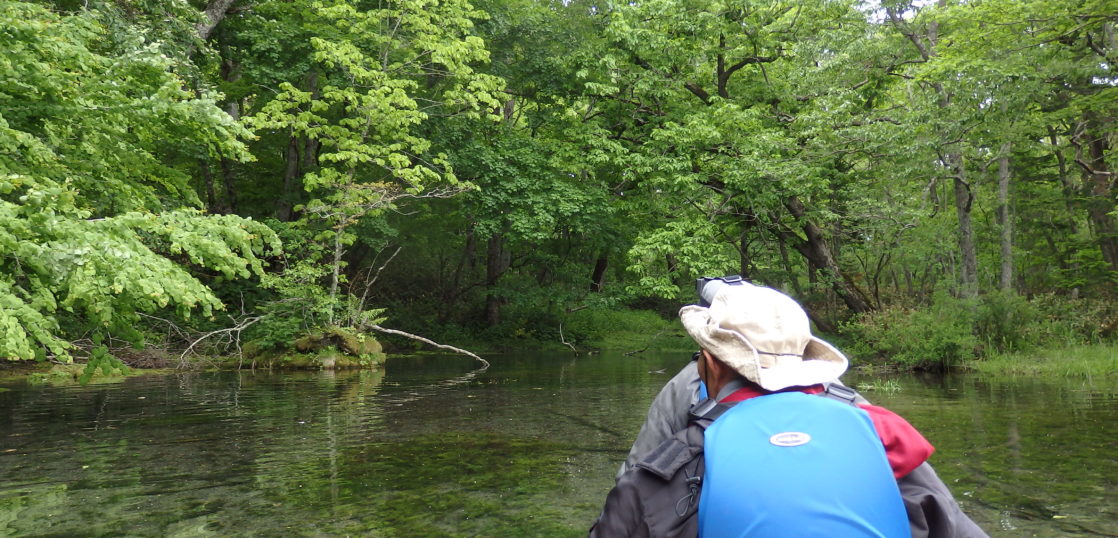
[431, 446]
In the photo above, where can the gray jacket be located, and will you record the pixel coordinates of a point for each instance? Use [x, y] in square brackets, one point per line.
[655, 494]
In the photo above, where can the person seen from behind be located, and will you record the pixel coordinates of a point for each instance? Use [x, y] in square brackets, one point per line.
[771, 451]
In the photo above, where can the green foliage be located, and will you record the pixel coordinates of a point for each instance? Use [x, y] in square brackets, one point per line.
[939, 337]
[521, 154]
[694, 246]
[101, 120]
[623, 329]
[1084, 361]
[301, 305]
[93, 224]
[1004, 321]
[99, 273]
[378, 65]
[101, 360]
[953, 331]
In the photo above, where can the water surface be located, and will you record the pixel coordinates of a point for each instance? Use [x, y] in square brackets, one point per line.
[431, 447]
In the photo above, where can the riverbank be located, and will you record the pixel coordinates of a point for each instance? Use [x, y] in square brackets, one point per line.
[629, 332]
[47, 373]
[1088, 361]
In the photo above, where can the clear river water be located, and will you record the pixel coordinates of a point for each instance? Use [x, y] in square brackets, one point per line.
[529, 447]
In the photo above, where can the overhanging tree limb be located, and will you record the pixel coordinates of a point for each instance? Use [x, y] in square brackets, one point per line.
[213, 14]
[484, 363]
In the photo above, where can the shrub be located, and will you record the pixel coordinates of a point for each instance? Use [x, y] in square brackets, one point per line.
[620, 329]
[938, 337]
[1007, 322]
[952, 330]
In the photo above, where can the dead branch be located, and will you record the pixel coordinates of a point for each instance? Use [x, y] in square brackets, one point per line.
[369, 282]
[564, 340]
[213, 14]
[234, 334]
[485, 363]
[171, 326]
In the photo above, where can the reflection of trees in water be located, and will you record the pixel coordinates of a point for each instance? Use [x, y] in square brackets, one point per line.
[309, 463]
[150, 452]
[349, 452]
[431, 389]
[1024, 456]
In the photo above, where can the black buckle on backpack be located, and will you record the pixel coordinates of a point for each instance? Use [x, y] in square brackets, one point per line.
[840, 393]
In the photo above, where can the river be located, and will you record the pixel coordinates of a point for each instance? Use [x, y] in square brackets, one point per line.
[432, 447]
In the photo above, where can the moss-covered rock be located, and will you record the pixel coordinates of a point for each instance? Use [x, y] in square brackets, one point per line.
[329, 348]
[346, 340]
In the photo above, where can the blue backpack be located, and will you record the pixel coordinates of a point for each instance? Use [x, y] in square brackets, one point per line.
[794, 464]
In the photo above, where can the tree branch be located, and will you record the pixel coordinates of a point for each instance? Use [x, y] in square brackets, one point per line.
[564, 340]
[234, 331]
[691, 86]
[485, 363]
[213, 14]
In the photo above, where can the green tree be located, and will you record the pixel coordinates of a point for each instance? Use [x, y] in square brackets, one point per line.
[730, 104]
[382, 73]
[97, 218]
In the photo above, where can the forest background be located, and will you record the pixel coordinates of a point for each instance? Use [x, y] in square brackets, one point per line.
[935, 181]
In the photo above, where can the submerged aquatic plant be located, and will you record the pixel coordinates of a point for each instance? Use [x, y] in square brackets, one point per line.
[888, 386]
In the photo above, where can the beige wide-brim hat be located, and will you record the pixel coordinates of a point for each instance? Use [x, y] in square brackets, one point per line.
[765, 336]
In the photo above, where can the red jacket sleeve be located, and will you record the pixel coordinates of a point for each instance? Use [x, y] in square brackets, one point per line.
[904, 446]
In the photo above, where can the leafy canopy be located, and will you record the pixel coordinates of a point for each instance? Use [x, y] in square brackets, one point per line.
[88, 146]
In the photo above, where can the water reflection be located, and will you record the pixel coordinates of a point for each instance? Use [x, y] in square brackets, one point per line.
[433, 447]
[1024, 456]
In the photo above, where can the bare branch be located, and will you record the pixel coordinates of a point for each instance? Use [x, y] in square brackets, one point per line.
[564, 340]
[234, 332]
[485, 363]
[369, 283]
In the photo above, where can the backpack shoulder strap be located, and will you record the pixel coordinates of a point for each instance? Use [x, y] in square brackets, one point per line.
[665, 460]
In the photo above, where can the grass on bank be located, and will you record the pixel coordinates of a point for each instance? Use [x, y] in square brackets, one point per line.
[1074, 361]
[624, 330]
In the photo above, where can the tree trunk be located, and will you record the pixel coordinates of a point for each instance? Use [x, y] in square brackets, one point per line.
[496, 263]
[290, 176]
[229, 180]
[926, 46]
[787, 264]
[964, 200]
[336, 269]
[1100, 203]
[598, 277]
[208, 178]
[310, 145]
[467, 261]
[745, 261]
[213, 14]
[817, 252]
[300, 157]
[1005, 218]
[230, 73]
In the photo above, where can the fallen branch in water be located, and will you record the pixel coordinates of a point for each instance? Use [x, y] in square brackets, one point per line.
[485, 363]
[564, 340]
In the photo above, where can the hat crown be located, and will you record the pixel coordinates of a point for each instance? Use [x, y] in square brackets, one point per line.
[773, 322]
[765, 336]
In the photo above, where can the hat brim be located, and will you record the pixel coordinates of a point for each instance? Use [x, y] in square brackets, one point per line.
[821, 362]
